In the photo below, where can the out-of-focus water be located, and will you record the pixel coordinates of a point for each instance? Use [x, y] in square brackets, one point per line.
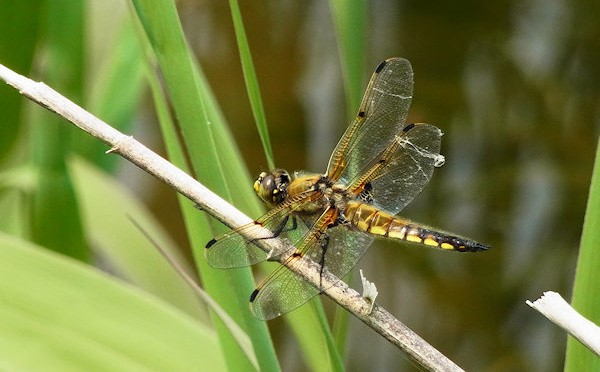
[515, 87]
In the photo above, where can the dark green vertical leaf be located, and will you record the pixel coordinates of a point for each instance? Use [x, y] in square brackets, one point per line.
[587, 278]
[19, 24]
[56, 223]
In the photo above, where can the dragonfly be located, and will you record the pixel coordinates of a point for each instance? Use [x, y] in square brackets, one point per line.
[379, 165]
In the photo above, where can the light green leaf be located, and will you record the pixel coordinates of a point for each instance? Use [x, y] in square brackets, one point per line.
[106, 210]
[57, 314]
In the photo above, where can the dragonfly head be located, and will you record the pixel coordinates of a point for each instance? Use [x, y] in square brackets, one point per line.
[272, 187]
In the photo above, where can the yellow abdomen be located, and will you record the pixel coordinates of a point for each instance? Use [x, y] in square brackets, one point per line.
[368, 218]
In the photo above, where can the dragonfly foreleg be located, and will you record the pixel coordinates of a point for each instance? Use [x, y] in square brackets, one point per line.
[281, 227]
[277, 231]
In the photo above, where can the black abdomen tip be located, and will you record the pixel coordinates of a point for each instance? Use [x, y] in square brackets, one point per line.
[471, 246]
[477, 247]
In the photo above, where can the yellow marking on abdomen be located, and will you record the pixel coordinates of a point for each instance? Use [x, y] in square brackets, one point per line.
[368, 218]
[413, 238]
[430, 241]
[447, 246]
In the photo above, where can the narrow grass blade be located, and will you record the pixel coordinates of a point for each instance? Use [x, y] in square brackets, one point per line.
[252, 86]
[587, 278]
[350, 21]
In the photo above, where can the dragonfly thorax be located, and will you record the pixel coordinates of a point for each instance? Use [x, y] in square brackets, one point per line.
[277, 186]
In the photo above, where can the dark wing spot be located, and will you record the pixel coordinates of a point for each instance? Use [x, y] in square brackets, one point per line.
[408, 127]
[361, 114]
[380, 67]
[254, 294]
[210, 243]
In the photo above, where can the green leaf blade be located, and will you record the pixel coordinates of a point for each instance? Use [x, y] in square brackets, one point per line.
[67, 315]
[587, 278]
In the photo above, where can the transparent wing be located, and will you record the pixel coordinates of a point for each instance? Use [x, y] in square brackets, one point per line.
[403, 169]
[279, 293]
[381, 117]
[239, 247]
[284, 290]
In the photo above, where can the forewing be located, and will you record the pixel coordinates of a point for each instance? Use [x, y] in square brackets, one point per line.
[406, 169]
[381, 117]
[235, 249]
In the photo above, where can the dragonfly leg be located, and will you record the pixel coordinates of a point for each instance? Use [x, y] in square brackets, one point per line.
[324, 243]
[280, 228]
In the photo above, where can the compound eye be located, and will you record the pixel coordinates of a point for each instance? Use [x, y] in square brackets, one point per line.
[272, 187]
[259, 181]
[264, 186]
